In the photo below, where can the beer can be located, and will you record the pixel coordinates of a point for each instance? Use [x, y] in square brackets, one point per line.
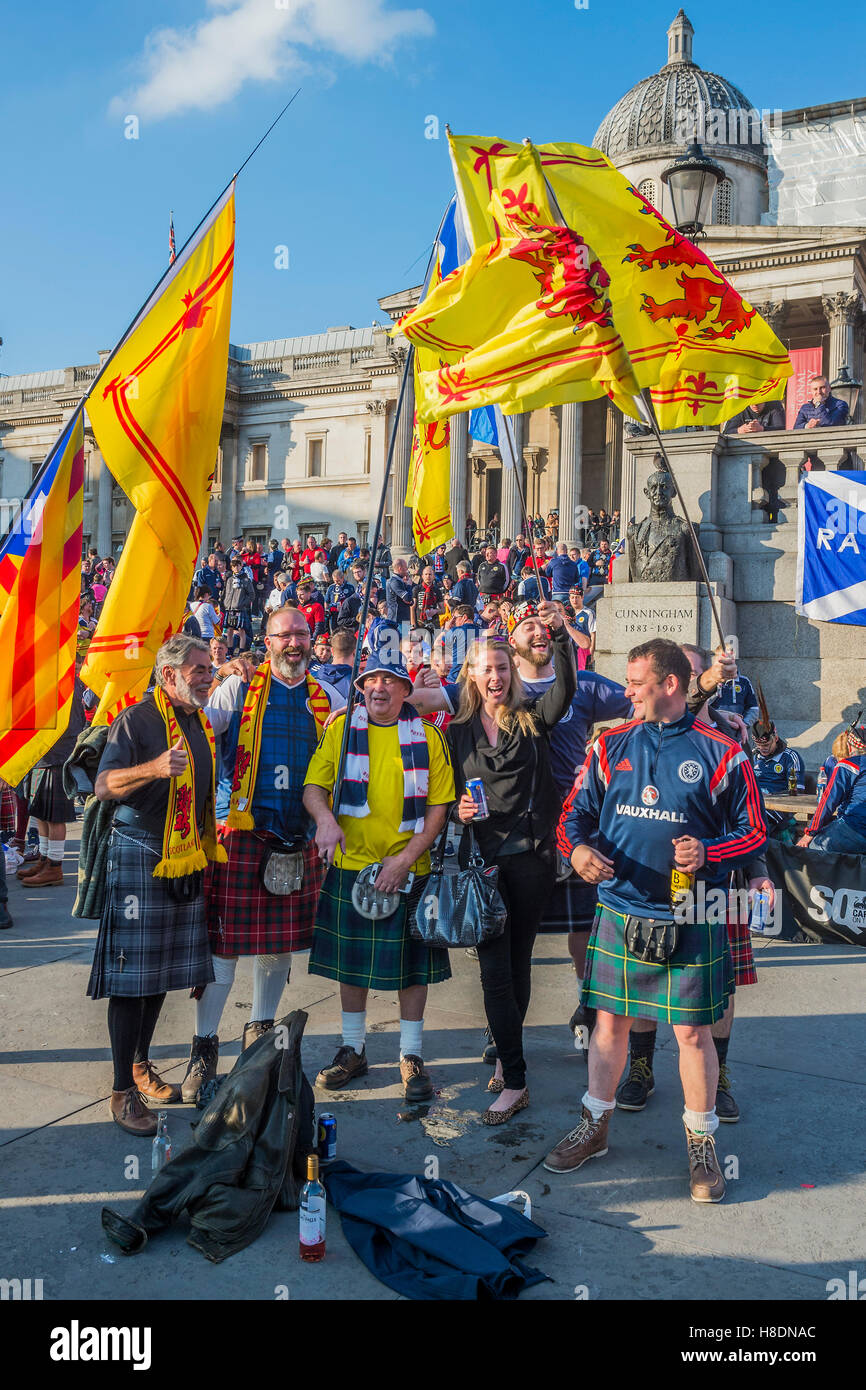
[681, 883]
[475, 788]
[760, 911]
[327, 1138]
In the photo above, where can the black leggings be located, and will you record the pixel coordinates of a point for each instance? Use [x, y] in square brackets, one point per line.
[525, 882]
[131, 1023]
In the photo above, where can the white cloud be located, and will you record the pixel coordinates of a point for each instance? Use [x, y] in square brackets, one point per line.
[244, 41]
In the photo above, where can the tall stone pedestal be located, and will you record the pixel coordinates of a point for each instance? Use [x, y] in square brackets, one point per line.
[630, 614]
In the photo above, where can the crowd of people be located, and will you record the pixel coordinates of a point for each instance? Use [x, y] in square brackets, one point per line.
[230, 828]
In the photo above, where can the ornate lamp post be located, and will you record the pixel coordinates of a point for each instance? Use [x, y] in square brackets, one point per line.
[692, 180]
[848, 389]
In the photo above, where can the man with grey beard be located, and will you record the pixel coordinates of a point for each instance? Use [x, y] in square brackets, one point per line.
[261, 902]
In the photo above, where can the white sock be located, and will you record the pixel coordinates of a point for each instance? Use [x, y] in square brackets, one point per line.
[43, 846]
[701, 1121]
[597, 1107]
[269, 980]
[411, 1031]
[579, 983]
[56, 849]
[209, 1009]
[354, 1028]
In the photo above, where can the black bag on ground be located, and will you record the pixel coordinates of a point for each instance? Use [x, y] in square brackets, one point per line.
[459, 909]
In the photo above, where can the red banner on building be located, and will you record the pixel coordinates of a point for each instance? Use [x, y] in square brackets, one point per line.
[806, 362]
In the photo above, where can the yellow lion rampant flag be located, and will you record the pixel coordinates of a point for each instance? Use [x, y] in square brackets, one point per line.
[527, 321]
[702, 351]
[156, 411]
[428, 487]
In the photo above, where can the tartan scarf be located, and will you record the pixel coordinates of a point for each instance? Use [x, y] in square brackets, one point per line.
[184, 851]
[240, 815]
[416, 767]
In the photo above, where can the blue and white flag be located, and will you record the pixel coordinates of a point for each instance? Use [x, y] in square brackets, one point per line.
[831, 558]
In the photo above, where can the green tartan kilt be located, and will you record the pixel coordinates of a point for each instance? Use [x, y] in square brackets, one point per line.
[692, 987]
[372, 955]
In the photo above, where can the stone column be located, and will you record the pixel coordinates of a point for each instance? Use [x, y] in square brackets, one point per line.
[401, 516]
[843, 311]
[571, 529]
[774, 312]
[511, 515]
[459, 448]
[103, 507]
[229, 496]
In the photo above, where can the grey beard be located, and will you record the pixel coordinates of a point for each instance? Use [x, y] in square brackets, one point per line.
[185, 693]
[286, 668]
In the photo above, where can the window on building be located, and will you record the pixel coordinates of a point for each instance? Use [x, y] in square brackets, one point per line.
[647, 189]
[315, 457]
[368, 449]
[254, 538]
[35, 465]
[258, 464]
[723, 204]
[313, 528]
[362, 532]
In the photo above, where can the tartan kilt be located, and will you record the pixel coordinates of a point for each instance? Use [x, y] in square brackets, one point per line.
[46, 799]
[570, 907]
[8, 811]
[372, 955]
[692, 987]
[164, 945]
[243, 918]
[740, 942]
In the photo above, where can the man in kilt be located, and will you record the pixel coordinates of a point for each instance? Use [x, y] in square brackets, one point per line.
[665, 791]
[268, 725]
[158, 766]
[393, 804]
[634, 1092]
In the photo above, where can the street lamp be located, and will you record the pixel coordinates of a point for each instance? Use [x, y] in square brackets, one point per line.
[848, 389]
[692, 180]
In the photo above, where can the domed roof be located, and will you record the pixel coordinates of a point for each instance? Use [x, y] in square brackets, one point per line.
[655, 110]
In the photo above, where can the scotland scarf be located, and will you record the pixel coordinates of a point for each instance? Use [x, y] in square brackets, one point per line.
[240, 815]
[416, 768]
[184, 851]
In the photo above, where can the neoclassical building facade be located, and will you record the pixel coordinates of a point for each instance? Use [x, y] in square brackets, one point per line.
[308, 420]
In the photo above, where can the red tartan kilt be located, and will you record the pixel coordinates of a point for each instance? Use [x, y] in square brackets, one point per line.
[740, 942]
[243, 918]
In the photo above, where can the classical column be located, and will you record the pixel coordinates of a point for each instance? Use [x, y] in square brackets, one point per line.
[511, 514]
[571, 526]
[459, 446]
[401, 516]
[229, 484]
[774, 312]
[843, 312]
[103, 507]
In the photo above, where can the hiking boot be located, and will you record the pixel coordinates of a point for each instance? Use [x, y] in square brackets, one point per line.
[151, 1086]
[203, 1058]
[31, 866]
[49, 875]
[253, 1031]
[587, 1140]
[638, 1086]
[417, 1081]
[130, 1112]
[346, 1066]
[706, 1183]
[490, 1055]
[726, 1107]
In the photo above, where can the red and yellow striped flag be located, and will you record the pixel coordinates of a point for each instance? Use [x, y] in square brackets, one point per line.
[40, 587]
[157, 413]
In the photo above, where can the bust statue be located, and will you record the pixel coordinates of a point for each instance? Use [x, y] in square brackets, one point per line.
[659, 547]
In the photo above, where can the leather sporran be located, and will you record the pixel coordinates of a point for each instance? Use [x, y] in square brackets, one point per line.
[651, 939]
[282, 870]
[459, 909]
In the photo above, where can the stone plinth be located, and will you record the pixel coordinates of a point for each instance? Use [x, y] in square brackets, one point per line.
[630, 614]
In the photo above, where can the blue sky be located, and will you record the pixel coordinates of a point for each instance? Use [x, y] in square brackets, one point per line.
[348, 180]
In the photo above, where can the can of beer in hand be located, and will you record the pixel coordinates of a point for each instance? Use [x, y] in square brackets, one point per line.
[327, 1138]
[681, 883]
[475, 788]
[760, 911]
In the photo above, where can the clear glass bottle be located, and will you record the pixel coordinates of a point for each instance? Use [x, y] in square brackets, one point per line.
[312, 1214]
[161, 1147]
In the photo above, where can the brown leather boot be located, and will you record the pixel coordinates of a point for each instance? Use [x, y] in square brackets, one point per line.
[31, 866]
[151, 1086]
[130, 1112]
[49, 876]
[253, 1031]
[587, 1140]
[706, 1183]
[202, 1067]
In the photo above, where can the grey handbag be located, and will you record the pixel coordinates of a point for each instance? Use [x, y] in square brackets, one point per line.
[461, 909]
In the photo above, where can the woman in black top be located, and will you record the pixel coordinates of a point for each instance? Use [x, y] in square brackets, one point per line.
[500, 738]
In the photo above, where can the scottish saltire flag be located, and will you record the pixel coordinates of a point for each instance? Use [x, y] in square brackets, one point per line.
[482, 425]
[831, 552]
[40, 566]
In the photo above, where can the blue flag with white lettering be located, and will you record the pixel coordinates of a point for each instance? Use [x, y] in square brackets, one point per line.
[831, 553]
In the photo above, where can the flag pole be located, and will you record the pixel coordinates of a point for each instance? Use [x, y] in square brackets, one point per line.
[517, 465]
[649, 414]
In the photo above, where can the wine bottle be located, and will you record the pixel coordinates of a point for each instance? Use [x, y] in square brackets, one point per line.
[312, 1214]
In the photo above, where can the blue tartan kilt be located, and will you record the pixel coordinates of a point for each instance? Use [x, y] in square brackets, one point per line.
[570, 907]
[147, 942]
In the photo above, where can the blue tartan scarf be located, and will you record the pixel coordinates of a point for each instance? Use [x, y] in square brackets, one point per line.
[416, 768]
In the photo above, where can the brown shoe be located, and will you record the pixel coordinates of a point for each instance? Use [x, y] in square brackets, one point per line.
[416, 1080]
[151, 1086]
[705, 1176]
[253, 1031]
[130, 1112]
[587, 1140]
[201, 1069]
[49, 876]
[31, 866]
[499, 1117]
[346, 1066]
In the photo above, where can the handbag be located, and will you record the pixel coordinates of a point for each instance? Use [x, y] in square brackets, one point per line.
[651, 939]
[460, 909]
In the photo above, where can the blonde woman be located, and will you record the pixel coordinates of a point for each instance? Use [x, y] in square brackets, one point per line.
[500, 737]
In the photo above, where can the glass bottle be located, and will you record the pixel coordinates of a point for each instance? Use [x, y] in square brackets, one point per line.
[312, 1214]
[161, 1147]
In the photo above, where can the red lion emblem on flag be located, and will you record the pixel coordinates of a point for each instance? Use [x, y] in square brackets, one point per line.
[182, 813]
[572, 284]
